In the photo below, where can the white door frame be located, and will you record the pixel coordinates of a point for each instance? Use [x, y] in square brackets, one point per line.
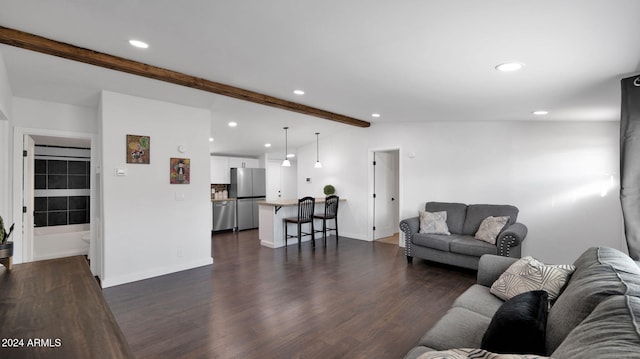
[28, 167]
[370, 206]
[23, 252]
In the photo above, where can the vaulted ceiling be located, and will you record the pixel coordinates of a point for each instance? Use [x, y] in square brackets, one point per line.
[418, 60]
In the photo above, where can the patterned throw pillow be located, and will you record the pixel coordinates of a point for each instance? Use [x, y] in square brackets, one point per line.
[490, 228]
[528, 274]
[475, 354]
[434, 222]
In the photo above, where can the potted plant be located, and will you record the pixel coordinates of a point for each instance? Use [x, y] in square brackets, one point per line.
[6, 247]
[329, 190]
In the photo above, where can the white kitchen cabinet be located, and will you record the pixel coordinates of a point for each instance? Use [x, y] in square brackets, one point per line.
[220, 170]
[241, 162]
[220, 166]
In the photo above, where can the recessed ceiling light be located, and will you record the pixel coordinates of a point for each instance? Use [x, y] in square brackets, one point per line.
[267, 145]
[376, 115]
[232, 124]
[210, 139]
[139, 44]
[540, 113]
[510, 66]
[298, 92]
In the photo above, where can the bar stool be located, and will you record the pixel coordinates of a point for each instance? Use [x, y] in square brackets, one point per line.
[330, 212]
[306, 207]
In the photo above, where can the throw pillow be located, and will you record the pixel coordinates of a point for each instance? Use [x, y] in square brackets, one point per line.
[490, 228]
[434, 222]
[519, 325]
[528, 274]
[468, 353]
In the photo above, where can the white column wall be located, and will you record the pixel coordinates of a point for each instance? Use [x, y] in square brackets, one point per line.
[151, 227]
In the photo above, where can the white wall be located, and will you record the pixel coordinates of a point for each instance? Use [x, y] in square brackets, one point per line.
[147, 231]
[38, 114]
[5, 90]
[555, 173]
[5, 141]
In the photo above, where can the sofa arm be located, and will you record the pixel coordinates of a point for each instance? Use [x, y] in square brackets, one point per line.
[409, 227]
[491, 267]
[510, 238]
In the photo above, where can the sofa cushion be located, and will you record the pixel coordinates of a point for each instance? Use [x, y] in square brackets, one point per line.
[528, 274]
[477, 298]
[456, 213]
[600, 273]
[610, 331]
[469, 246]
[627, 269]
[490, 228]
[459, 328]
[440, 242]
[433, 222]
[519, 325]
[476, 213]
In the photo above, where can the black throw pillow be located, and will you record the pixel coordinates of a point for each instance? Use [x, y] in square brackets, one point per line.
[519, 325]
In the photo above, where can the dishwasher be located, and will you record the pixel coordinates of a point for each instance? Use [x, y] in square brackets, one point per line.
[224, 215]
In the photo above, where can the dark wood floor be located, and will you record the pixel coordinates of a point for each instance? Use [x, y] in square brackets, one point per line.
[357, 300]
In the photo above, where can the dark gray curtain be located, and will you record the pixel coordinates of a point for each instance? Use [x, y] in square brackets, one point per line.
[630, 163]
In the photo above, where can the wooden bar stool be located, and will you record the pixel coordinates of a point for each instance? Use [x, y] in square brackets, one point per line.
[306, 207]
[330, 212]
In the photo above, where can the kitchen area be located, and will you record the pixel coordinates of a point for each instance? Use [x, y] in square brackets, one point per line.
[239, 183]
[236, 185]
[255, 194]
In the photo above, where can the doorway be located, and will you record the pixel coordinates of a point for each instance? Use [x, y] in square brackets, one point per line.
[55, 181]
[385, 193]
[59, 195]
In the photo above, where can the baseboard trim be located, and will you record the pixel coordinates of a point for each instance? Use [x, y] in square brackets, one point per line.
[156, 272]
[61, 255]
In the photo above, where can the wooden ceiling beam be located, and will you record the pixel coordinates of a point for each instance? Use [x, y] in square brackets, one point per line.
[43, 45]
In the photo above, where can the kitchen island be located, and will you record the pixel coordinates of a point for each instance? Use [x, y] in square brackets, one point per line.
[271, 227]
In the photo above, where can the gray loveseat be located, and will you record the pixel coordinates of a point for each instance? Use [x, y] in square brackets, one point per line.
[460, 248]
[597, 315]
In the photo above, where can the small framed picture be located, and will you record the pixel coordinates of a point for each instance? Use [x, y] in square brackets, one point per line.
[138, 149]
[179, 170]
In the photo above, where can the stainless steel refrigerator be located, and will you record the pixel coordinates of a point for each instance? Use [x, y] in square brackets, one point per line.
[248, 185]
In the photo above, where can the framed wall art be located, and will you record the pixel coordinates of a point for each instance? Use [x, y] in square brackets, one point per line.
[179, 170]
[138, 149]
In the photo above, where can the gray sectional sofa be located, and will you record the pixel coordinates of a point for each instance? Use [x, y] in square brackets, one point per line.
[463, 221]
[596, 315]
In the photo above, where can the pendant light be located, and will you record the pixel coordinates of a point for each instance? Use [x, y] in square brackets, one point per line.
[318, 164]
[286, 162]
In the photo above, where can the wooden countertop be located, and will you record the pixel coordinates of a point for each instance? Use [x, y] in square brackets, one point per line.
[55, 309]
[289, 202]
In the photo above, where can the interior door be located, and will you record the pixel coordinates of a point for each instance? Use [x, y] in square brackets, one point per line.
[383, 181]
[273, 180]
[28, 188]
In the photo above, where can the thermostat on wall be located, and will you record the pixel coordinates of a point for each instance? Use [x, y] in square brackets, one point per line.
[121, 171]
